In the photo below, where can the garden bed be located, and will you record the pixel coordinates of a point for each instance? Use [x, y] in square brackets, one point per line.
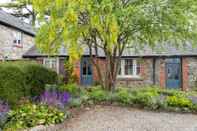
[59, 103]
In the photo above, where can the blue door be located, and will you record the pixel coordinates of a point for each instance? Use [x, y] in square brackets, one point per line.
[86, 71]
[173, 73]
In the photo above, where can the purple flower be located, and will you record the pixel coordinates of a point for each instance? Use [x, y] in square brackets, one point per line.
[55, 98]
[4, 107]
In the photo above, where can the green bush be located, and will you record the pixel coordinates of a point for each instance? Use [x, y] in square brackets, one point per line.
[71, 88]
[75, 102]
[12, 83]
[179, 101]
[31, 115]
[37, 76]
[124, 96]
[23, 79]
[145, 97]
[97, 94]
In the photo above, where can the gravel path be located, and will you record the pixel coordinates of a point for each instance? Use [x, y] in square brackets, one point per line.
[125, 119]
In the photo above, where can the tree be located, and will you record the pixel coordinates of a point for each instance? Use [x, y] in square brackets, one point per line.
[112, 25]
[22, 9]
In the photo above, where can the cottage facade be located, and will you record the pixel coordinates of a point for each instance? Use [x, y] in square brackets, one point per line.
[169, 68]
[172, 68]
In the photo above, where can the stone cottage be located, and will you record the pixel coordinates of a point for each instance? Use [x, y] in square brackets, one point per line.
[16, 37]
[166, 66]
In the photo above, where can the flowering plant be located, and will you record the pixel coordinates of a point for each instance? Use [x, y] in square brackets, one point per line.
[4, 107]
[55, 98]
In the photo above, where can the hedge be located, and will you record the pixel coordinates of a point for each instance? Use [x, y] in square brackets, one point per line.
[24, 79]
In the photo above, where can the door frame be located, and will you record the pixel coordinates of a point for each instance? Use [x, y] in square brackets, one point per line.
[180, 73]
[81, 70]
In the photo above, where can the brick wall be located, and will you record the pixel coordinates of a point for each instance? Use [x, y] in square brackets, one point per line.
[185, 74]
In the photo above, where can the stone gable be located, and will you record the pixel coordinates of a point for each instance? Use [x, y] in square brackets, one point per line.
[7, 47]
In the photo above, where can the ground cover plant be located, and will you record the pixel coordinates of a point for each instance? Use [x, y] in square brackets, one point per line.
[31, 115]
[152, 98]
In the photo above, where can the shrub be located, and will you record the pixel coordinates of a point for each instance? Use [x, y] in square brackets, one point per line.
[21, 79]
[12, 83]
[179, 101]
[31, 115]
[72, 89]
[97, 94]
[124, 96]
[75, 102]
[37, 76]
[146, 97]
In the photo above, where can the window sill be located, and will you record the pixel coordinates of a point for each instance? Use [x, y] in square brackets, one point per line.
[129, 78]
[18, 46]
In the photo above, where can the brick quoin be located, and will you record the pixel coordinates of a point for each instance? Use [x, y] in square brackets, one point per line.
[185, 74]
[162, 73]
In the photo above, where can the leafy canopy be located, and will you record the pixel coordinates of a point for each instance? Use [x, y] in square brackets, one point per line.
[114, 23]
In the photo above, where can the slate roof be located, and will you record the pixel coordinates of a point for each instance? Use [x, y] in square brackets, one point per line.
[160, 50]
[14, 22]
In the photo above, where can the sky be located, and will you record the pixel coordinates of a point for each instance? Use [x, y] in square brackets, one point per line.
[4, 1]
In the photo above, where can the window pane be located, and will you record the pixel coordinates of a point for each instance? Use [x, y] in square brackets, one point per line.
[120, 66]
[84, 68]
[47, 63]
[128, 67]
[138, 68]
[89, 70]
[54, 64]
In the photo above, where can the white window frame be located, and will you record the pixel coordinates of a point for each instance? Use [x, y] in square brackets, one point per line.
[122, 66]
[18, 39]
[50, 63]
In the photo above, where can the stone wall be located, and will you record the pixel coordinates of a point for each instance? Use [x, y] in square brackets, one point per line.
[145, 78]
[8, 48]
[192, 72]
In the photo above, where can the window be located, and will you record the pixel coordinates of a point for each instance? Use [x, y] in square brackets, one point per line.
[52, 63]
[129, 68]
[18, 39]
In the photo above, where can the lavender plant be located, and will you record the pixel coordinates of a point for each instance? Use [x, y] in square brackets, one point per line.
[55, 98]
[4, 109]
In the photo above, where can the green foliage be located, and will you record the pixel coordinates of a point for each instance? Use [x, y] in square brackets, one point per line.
[124, 96]
[31, 115]
[75, 102]
[37, 76]
[12, 83]
[146, 97]
[69, 69]
[178, 101]
[150, 22]
[113, 25]
[21, 79]
[97, 94]
[72, 89]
